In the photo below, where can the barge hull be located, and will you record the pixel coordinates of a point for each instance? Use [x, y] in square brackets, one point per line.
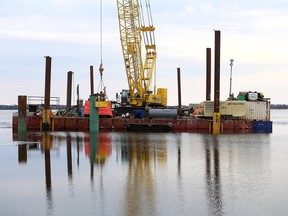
[81, 124]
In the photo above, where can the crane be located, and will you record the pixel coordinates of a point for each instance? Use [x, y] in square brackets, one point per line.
[132, 26]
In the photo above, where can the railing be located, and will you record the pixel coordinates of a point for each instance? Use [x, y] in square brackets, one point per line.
[38, 100]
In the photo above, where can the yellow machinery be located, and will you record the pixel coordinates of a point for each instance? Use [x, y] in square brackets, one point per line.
[101, 104]
[101, 100]
[131, 24]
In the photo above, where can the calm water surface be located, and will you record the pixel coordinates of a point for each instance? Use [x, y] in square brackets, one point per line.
[144, 173]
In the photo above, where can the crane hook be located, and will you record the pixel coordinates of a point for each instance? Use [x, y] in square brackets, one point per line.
[101, 69]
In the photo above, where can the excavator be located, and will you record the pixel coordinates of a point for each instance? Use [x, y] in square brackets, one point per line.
[136, 26]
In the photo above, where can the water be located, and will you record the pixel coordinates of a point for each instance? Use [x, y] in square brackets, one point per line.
[144, 173]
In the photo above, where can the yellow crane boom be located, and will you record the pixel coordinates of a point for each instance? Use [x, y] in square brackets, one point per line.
[132, 22]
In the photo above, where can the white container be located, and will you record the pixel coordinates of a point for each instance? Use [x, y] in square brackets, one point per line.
[258, 110]
[235, 109]
[248, 110]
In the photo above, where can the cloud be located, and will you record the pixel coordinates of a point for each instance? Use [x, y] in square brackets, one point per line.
[254, 33]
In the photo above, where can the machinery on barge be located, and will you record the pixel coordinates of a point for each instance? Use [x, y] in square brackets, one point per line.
[136, 26]
[247, 106]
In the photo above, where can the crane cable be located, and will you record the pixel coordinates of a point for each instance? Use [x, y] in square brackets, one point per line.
[149, 20]
[101, 69]
[149, 38]
[152, 36]
[101, 31]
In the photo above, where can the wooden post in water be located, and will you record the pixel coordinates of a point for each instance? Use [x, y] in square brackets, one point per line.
[22, 123]
[94, 116]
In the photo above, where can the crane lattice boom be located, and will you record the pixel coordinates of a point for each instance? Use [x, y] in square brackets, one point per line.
[132, 22]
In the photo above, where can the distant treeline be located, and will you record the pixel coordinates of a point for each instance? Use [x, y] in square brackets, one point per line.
[279, 106]
[8, 107]
[15, 107]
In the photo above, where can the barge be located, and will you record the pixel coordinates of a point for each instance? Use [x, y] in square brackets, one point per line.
[184, 124]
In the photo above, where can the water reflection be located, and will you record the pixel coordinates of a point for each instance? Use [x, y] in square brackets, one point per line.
[131, 172]
[142, 152]
[213, 176]
[22, 153]
[98, 148]
[46, 145]
[69, 158]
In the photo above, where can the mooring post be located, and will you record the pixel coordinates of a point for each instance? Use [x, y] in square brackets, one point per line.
[91, 80]
[94, 116]
[216, 114]
[179, 92]
[22, 122]
[208, 74]
[69, 89]
[78, 102]
[46, 113]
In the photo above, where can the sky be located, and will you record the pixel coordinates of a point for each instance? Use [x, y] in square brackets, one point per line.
[254, 33]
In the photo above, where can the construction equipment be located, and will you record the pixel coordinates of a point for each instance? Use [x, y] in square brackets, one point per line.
[132, 22]
[101, 98]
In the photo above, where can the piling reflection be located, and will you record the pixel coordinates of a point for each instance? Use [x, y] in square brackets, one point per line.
[142, 154]
[98, 147]
[44, 142]
[69, 157]
[140, 173]
[214, 193]
[22, 153]
[46, 145]
[179, 157]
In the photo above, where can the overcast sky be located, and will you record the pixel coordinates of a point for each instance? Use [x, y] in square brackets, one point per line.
[253, 32]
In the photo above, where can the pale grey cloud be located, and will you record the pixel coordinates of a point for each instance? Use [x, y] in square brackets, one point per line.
[253, 32]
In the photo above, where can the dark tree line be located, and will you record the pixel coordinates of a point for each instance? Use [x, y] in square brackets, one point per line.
[279, 106]
[8, 107]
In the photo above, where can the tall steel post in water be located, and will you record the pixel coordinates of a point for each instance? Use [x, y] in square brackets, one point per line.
[230, 90]
[69, 89]
[216, 114]
[46, 121]
[22, 123]
[208, 74]
[179, 91]
[91, 80]
[78, 101]
[47, 82]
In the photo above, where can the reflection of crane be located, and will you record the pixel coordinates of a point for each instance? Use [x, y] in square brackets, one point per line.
[132, 23]
[144, 154]
[140, 186]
